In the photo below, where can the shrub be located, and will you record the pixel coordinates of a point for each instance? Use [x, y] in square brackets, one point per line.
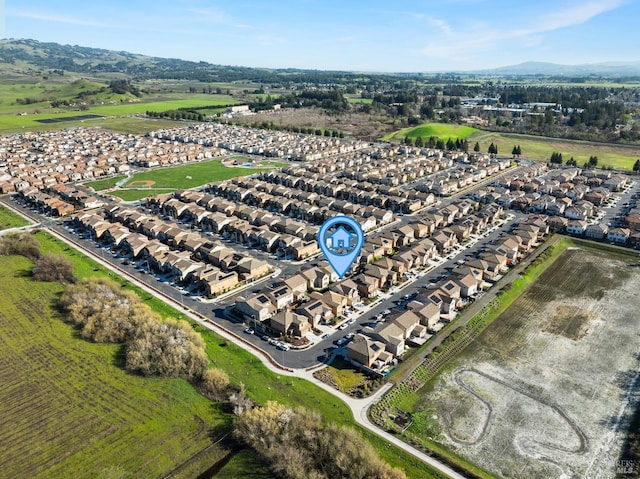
[298, 445]
[167, 348]
[214, 384]
[23, 244]
[52, 267]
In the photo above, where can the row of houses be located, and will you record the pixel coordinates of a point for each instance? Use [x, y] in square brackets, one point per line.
[242, 224]
[374, 348]
[254, 141]
[573, 193]
[186, 257]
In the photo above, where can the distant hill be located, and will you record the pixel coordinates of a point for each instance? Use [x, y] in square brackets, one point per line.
[31, 57]
[25, 56]
[609, 69]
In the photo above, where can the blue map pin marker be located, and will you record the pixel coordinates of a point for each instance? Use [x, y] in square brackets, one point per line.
[343, 244]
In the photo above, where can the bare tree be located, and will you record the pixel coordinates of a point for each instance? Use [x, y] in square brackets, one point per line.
[54, 267]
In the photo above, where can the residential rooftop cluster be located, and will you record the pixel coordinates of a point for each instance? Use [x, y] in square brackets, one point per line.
[44, 159]
[255, 141]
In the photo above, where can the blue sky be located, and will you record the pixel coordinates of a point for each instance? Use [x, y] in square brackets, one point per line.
[372, 35]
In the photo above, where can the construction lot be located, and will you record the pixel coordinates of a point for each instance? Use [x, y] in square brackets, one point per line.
[545, 391]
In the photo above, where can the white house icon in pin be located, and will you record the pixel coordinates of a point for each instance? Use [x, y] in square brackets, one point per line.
[340, 239]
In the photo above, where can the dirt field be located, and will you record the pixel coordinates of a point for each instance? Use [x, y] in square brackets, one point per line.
[141, 184]
[545, 391]
[364, 126]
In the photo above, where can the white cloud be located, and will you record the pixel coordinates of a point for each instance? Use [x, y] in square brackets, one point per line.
[54, 18]
[462, 43]
[215, 16]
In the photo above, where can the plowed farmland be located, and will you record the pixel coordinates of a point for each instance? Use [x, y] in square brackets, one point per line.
[548, 388]
[68, 410]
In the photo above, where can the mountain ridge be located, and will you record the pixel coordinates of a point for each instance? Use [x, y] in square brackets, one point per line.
[78, 59]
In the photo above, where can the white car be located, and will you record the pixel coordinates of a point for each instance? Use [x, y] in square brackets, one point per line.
[343, 326]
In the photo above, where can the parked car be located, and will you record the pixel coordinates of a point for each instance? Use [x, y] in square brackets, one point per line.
[249, 331]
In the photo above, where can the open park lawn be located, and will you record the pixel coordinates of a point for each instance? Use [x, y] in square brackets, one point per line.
[545, 390]
[165, 180]
[68, 408]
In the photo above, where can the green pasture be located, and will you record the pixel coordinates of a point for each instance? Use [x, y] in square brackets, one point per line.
[70, 410]
[540, 149]
[367, 101]
[427, 130]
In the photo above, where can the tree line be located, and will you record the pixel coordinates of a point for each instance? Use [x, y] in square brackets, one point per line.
[176, 115]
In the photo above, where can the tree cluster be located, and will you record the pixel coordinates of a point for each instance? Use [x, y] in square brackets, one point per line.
[54, 267]
[556, 158]
[154, 347]
[176, 115]
[438, 143]
[124, 86]
[298, 445]
[50, 267]
[22, 244]
[493, 149]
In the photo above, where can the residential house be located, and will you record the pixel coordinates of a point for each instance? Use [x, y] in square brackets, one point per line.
[618, 235]
[596, 231]
[427, 311]
[576, 227]
[288, 323]
[368, 352]
[468, 285]
[298, 285]
[316, 311]
[258, 307]
[316, 278]
[391, 335]
[336, 301]
[348, 289]
[281, 296]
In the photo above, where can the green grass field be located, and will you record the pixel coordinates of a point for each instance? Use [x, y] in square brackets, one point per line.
[8, 219]
[366, 101]
[540, 149]
[191, 175]
[138, 194]
[439, 130]
[68, 408]
[108, 104]
[344, 374]
[105, 184]
[245, 464]
[243, 367]
[533, 147]
[165, 180]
